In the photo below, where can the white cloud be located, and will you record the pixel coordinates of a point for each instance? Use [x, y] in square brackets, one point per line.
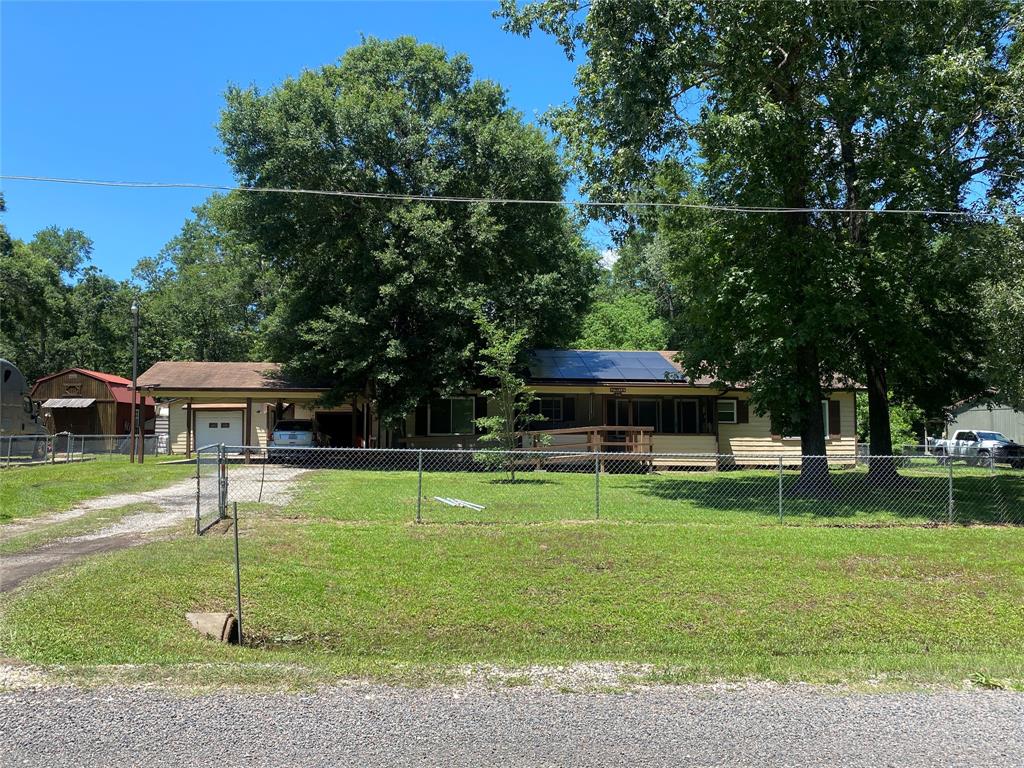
[608, 257]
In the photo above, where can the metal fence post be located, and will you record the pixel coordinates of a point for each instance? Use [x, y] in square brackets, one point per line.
[419, 486]
[10, 439]
[238, 579]
[222, 482]
[780, 489]
[597, 485]
[199, 488]
[951, 510]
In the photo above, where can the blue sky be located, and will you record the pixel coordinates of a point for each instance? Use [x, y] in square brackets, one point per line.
[132, 91]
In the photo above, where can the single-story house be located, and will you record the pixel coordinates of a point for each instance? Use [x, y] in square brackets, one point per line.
[986, 413]
[635, 401]
[239, 403]
[591, 400]
[88, 403]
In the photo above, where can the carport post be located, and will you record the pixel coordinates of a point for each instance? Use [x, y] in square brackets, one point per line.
[419, 487]
[248, 429]
[188, 429]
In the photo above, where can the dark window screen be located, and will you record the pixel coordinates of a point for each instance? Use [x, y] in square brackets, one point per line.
[688, 417]
[646, 413]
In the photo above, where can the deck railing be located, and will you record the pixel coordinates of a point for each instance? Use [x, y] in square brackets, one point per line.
[595, 439]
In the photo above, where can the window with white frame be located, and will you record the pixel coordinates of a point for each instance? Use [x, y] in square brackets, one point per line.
[450, 416]
[726, 411]
[550, 408]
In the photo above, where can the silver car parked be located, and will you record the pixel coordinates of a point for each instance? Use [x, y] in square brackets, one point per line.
[291, 434]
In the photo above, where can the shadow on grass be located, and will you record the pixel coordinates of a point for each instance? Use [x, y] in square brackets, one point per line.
[976, 500]
[520, 481]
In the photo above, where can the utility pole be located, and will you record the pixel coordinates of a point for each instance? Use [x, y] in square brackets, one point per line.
[135, 377]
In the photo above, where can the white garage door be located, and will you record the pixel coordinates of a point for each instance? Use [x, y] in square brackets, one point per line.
[219, 427]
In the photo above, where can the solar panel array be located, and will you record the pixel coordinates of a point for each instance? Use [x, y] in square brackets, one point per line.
[599, 365]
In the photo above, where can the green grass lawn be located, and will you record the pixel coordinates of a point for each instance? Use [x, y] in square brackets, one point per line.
[739, 496]
[342, 582]
[30, 491]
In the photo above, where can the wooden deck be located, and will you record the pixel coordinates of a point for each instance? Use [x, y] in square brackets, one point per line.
[596, 439]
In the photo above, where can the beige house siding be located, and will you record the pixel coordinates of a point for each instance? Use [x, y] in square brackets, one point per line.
[177, 428]
[665, 443]
[755, 438]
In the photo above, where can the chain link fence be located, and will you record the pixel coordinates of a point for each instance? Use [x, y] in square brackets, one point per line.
[66, 447]
[25, 449]
[488, 487]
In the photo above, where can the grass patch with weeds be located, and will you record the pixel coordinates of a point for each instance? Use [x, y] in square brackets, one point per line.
[49, 488]
[341, 583]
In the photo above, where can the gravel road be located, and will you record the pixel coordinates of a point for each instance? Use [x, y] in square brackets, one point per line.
[370, 725]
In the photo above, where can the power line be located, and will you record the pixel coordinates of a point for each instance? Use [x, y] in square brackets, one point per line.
[401, 197]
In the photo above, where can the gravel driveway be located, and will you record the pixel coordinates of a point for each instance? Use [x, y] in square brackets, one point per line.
[177, 502]
[370, 725]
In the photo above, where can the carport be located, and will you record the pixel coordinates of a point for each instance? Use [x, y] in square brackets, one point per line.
[255, 394]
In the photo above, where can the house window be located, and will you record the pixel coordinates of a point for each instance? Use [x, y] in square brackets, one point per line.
[551, 408]
[450, 416]
[617, 414]
[688, 419]
[645, 413]
[726, 411]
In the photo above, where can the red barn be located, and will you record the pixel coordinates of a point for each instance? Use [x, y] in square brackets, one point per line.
[87, 402]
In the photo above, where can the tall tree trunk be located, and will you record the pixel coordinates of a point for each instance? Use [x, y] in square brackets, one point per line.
[881, 466]
[814, 477]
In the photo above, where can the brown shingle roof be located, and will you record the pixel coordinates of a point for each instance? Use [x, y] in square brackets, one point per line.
[178, 375]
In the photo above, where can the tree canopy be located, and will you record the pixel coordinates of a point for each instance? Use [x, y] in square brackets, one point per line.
[206, 294]
[383, 291]
[806, 106]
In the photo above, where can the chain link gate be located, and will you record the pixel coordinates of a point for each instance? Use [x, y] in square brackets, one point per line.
[211, 486]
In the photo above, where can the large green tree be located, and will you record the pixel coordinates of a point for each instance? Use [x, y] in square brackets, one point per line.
[382, 291]
[1001, 310]
[37, 322]
[840, 105]
[206, 294]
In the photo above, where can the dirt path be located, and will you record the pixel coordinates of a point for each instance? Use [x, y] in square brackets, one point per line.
[177, 502]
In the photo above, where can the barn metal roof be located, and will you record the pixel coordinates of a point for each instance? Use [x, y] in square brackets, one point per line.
[69, 402]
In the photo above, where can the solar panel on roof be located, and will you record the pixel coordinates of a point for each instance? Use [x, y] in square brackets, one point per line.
[599, 365]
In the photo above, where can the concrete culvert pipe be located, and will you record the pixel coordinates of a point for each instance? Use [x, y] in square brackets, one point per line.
[220, 626]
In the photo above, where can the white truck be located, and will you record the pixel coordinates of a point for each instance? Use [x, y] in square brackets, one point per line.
[978, 447]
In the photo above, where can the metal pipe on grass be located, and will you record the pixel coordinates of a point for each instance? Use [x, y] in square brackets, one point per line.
[238, 577]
